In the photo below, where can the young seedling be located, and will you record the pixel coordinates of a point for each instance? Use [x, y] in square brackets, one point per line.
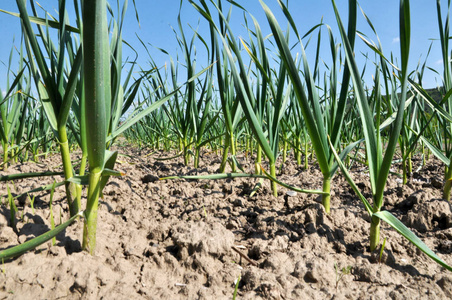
[340, 273]
[382, 250]
[12, 208]
[237, 282]
[32, 203]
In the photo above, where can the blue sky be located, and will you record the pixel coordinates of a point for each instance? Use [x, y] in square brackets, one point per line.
[158, 18]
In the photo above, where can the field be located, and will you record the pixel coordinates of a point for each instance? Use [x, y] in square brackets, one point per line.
[256, 171]
[176, 239]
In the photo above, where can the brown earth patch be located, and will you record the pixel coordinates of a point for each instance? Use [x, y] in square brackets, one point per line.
[186, 239]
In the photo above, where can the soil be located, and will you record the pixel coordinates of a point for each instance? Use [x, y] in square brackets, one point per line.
[187, 239]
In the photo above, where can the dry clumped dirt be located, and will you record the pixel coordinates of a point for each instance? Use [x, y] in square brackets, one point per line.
[186, 239]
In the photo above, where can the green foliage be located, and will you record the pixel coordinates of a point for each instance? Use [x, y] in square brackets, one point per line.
[237, 282]
[341, 272]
